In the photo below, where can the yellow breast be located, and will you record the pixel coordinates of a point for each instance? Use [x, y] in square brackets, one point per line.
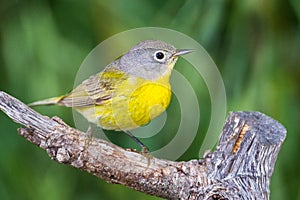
[149, 101]
[136, 103]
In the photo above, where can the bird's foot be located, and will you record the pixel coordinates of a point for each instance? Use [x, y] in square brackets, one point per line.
[146, 153]
[89, 137]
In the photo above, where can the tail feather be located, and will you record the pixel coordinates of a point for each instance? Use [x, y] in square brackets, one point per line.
[50, 101]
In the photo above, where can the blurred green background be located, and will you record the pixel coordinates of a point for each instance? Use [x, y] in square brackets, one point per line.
[255, 44]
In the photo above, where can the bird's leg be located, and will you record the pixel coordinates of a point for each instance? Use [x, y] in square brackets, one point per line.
[144, 147]
[145, 151]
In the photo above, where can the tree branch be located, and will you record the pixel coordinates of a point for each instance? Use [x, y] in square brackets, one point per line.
[239, 168]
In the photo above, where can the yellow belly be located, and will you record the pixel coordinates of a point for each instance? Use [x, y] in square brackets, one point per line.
[135, 104]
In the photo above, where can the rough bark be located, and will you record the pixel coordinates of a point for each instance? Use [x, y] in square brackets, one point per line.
[239, 168]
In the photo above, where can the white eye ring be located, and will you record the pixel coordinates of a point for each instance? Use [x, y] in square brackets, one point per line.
[160, 56]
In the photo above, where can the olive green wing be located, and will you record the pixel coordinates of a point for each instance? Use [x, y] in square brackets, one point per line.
[95, 90]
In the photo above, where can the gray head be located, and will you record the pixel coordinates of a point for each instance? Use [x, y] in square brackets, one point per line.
[150, 59]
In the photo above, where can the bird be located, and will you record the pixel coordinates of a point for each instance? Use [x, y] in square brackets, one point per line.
[129, 92]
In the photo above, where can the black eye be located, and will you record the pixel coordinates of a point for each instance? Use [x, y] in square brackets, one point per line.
[159, 55]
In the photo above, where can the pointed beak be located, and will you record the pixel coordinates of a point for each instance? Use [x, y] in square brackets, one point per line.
[181, 52]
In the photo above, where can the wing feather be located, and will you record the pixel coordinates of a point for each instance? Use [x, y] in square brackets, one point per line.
[96, 89]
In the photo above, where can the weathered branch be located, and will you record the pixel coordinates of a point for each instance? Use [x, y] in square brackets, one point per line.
[239, 168]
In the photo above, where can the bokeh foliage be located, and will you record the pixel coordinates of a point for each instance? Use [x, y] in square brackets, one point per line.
[255, 44]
